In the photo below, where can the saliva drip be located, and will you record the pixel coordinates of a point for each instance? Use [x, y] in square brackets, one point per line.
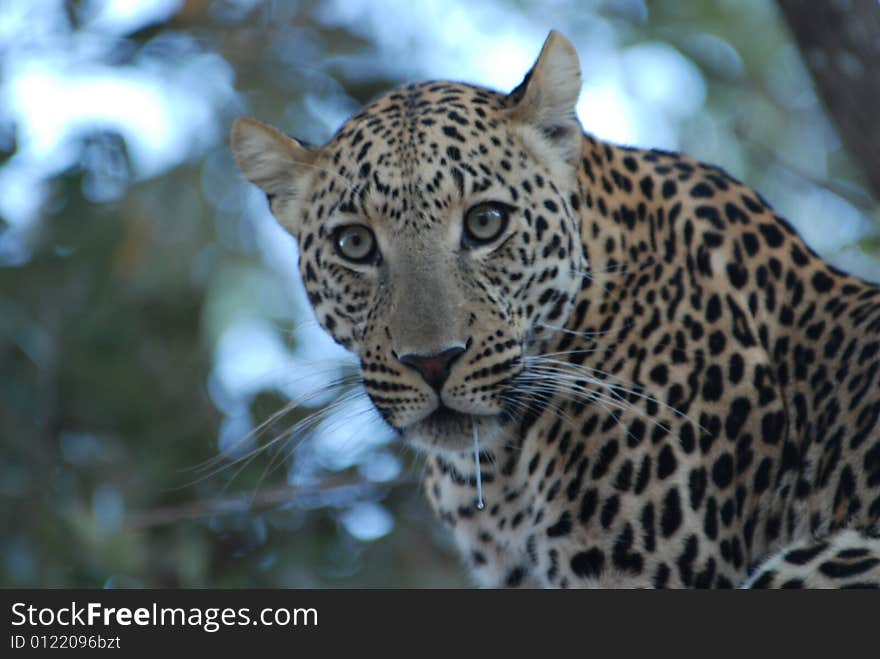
[480, 503]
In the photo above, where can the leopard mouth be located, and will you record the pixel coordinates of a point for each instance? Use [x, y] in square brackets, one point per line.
[445, 420]
[447, 429]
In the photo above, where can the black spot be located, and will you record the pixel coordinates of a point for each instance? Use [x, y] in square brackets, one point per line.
[452, 131]
[753, 205]
[704, 579]
[541, 226]
[606, 456]
[515, 577]
[737, 274]
[647, 521]
[762, 476]
[687, 439]
[735, 368]
[736, 418]
[588, 563]
[804, 556]
[635, 433]
[661, 576]
[735, 214]
[686, 560]
[588, 505]
[457, 118]
[710, 519]
[609, 511]
[561, 527]
[624, 559]
[842, 570]
[659, 374]
[860, 585]
[722, 470]
[702, 190]
[533, 463]
[644, 475]
[846, 487]
[670, 520]
[713, 309]
[822, 282]
[364, 150]
[727, 513]
[772, 235]
[712, 239]
[666, 462]
[871, 465]
[623, 481]
[858, 552]
[713, 386]
[835, 340]
[792, 583]
[798, 256]
[750, 242]
[717, 342]
[773, 427]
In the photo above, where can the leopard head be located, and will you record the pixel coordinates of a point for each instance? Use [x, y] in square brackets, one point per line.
[439, 234]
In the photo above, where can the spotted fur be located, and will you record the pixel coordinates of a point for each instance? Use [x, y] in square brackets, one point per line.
[668, 386]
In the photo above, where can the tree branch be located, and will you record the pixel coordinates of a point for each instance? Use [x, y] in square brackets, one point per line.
[840, 44]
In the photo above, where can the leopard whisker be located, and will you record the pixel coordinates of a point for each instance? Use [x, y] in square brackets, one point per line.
[576, 386]
[530, 390]
[303, 428]
[586, 335]
[335, 384]
[576, 371]
[220, 463]
[286, 453]
[577, 392]
[620, 268]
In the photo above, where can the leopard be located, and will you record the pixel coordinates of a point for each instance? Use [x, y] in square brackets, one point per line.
[622, 367]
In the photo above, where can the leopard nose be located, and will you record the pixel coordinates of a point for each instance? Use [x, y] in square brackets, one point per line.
[434, 368]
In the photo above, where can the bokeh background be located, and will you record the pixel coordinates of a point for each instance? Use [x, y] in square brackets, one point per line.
[153, 330]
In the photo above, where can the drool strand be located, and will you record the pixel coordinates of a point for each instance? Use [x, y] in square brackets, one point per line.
[480, 504]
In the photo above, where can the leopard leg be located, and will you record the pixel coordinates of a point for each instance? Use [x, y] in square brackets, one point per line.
[847, 558]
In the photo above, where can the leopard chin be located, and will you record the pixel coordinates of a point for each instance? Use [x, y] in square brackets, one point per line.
[447, 430]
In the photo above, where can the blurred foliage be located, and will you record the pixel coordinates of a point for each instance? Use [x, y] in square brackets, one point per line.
[114, 307]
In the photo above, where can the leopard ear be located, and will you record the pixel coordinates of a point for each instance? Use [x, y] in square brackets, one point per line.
[269, 158]
[547, 96]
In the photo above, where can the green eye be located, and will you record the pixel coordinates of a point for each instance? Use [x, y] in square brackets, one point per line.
[356, 243]
[483, 223]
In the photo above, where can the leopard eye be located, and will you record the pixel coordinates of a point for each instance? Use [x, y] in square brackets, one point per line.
[484, 222]
[355, 243]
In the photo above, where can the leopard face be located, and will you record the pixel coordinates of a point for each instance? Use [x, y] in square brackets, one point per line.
[438, 241]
